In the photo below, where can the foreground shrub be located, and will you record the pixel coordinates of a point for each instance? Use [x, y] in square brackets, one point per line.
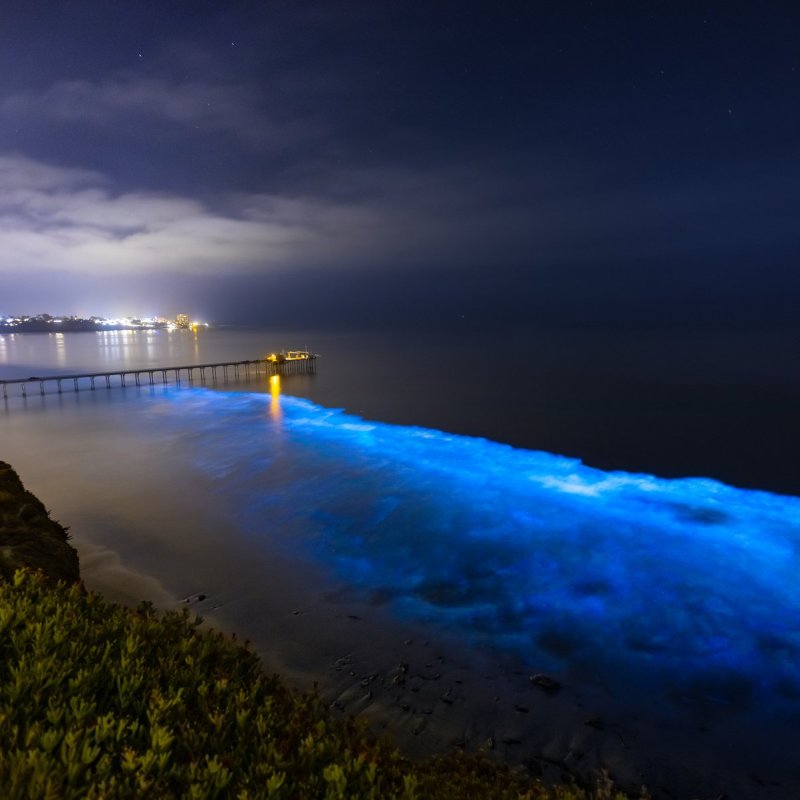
[101, 701]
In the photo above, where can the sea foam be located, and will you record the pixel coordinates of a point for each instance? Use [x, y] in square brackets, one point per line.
[683, 587]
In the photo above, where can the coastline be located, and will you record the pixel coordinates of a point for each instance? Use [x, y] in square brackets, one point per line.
[199, 504]
[430, 694]
[66, 602]
[190, 505]
[430, 697]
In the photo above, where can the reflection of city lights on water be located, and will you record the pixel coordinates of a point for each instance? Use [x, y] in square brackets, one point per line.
[61, 349]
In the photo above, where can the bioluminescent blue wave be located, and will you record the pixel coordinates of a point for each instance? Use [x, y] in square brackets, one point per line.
[689, 585]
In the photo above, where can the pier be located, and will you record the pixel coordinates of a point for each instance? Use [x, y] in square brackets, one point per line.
[152, 376]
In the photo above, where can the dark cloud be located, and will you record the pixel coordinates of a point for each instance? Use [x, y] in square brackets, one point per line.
[514, 163]
[232, 110]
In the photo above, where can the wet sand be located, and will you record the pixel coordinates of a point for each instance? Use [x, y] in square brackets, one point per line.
[103, 572]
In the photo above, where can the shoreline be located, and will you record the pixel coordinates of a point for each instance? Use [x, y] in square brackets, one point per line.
[430, 695]
[174, 541]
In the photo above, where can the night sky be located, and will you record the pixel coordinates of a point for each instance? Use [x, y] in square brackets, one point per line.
[573, 163]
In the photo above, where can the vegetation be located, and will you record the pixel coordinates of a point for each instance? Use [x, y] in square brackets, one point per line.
[101, 701]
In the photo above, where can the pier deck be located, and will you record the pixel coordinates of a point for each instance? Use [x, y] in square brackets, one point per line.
[150, 376]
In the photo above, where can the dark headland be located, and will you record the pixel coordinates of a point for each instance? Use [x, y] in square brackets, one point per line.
[28, 537]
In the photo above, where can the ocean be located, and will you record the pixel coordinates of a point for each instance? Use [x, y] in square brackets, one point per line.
[616, 514]
[672, 403]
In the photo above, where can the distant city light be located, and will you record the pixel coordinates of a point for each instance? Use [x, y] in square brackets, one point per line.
[39, 322]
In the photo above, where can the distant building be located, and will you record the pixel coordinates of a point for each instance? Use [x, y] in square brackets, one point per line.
[182, 320]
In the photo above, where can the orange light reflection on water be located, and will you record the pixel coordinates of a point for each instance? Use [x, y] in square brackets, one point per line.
[275, 393]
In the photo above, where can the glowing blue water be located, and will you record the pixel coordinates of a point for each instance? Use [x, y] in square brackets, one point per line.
[688, 586]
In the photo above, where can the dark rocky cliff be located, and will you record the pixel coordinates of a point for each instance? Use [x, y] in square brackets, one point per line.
[28, 537]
